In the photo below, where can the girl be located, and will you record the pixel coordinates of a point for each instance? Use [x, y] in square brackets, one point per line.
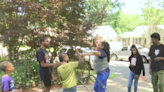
[136, 65]
[101, 65]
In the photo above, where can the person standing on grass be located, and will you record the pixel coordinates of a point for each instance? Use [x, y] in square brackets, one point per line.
[101, 66]
[156, 69]
[67, 71]
[136, 66]
[44, 63]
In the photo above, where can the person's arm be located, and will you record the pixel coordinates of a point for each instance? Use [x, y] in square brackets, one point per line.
[95, 41]
[150, 71]
[96, 53]
[139, 66]
[43, 64]
[81, 60]
[143, 70]
[159, 59]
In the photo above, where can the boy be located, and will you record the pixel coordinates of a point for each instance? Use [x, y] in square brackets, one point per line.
[44, 63]
[156, 69]
[67, 72]
[7, 83]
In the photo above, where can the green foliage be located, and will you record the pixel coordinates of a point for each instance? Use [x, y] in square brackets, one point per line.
[152, 14]
[98, 11]
[24, 78]
[126, 22]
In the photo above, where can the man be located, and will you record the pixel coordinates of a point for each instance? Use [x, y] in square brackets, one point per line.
[157, 63]
[67, 72]
[44, 63]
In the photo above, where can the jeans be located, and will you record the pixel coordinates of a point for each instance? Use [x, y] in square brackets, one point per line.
[73, 89]
[102, 77]
[158, 81]
[130, 81]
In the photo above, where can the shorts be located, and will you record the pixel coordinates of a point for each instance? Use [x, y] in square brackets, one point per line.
[73, 89]
[46, 78]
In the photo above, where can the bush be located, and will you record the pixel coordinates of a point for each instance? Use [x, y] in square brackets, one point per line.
[25, 74]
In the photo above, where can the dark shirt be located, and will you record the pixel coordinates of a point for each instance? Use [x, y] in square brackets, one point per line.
[42, 55]
[139, 64]
[156, 51]
[103, 54]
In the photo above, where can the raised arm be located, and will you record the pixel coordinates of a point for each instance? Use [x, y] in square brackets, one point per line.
[81, 60]
[95, 41]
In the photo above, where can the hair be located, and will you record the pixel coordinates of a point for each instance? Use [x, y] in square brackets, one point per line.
[155, 36]
[42, 39]
[106, 50]
[61, 57]
[3, 65]
[134, 47]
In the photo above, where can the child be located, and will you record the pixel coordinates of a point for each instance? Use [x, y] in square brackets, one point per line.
[45, 71]
[101, 66]
[67, 72]
[7, 83]
[136, 66]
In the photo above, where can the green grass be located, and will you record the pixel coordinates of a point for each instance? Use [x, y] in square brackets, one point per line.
[112, 76]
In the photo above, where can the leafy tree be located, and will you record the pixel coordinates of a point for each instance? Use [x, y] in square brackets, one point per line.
[99, 11]
[65, 22]
[152, 14]
[127, 22]
[13, 25]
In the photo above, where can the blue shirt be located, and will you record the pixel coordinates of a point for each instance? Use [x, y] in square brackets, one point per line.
[103, 54]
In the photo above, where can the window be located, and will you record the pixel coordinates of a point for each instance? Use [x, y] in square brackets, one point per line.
[124, 49]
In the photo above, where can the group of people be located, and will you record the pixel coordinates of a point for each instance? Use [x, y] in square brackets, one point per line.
[156, 65]
[67, 69]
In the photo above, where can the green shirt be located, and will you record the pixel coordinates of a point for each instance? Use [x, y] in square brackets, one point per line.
[68, 74]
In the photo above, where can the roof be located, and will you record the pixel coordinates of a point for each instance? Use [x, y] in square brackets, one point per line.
[105, 31]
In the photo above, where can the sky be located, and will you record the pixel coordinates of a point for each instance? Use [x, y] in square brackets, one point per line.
[132, 6]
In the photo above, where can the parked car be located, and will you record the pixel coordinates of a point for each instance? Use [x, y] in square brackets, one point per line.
[125, 52]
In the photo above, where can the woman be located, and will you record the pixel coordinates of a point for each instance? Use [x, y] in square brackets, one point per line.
[136, 66]
[101, 65]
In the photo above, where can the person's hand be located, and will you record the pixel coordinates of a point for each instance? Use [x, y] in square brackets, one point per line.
[77, 53]
[157, 58]
[150, 71]
[136, 76]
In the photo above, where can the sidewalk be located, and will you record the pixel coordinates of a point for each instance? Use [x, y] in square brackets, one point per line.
[117, 84]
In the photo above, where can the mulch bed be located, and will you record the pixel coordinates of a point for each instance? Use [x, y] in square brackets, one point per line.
[53, 87]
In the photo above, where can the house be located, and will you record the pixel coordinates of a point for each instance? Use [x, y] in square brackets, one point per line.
[141, 35]
[106, 33]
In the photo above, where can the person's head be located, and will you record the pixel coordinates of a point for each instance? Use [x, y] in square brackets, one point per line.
[134, 50]
[6, 66]
[105, 47]
[155, 37]
[63, 57]
[44, 41]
